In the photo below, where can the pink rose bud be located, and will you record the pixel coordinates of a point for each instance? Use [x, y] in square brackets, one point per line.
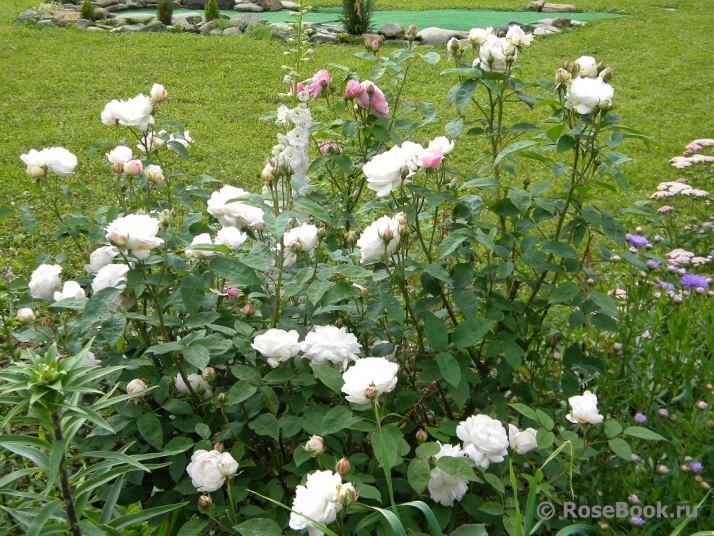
[315, 446]
[259, 226]
[232, 293]
[135, 386]
[248, 310]
[218, 446]
[133, 168]
[25, 315]
[343, 466]
[47, 321]
[209, 374]
[117, 238]
[634, 457]
[158, 93]
[117, 167]
[387, 235]
[421, 436]
[353, 89]
[267, 173]
[371, 393]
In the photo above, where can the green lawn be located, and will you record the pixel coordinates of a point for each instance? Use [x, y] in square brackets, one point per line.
[56, 81]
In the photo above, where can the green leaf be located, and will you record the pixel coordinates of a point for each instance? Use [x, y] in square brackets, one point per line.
[492, 508]
[192, 527]
[513, 148]
[259, 257]
[564, 293]
[458, 467]
[46, 512]
[418, 474]
[613, 230]
[336, 419]
[545, 420]
[454, 127]
[317, 290]
[329, 376]
[27, 218]
[495, 482]
[203, 430]
[470, 530]
[449, 368]
[621, 448]
[449, 244]
[150, 429]
[612, 428]
[277, 226]
[437, 272]
[394, 309]
[520, 199]
[259, 527]
[643, 433]
[197, 355]
[560, 249]
[139, 517]
[192, 292]
[390, 447]
[432, 58]
[112, 328]
[463, 94]
[565, 143]
[96, 306]
[240, 392]
[427, 450]
[604, 302]
[471, 332]
[436, 333]
[234, 272]
[267, 425]
[524, 410]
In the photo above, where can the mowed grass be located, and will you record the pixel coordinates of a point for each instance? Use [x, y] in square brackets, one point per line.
[56, 81]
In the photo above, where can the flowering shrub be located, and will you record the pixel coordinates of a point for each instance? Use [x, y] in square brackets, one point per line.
[435, 336]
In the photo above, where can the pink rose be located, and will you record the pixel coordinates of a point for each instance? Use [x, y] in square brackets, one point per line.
[372, 99]
[353, 89]
[320, 81]
[326, 145]
[430, 159]
[133, 168]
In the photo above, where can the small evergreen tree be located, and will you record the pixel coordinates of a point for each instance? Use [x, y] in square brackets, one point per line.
[357, 16]
[211, 12]
[165, 11]
[87, 10]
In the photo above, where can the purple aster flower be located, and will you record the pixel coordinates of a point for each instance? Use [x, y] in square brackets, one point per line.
[654, 265]
[663, 412]
[693, 281]
[634, 499]
[640, 418]
[637, 521]
[696, 466]
[662, 469]
[665, 285]
[636, 240]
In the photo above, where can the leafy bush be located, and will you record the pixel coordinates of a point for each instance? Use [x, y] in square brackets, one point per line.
[87, 10]
[357, 16]
[165, 12]
[211, 11]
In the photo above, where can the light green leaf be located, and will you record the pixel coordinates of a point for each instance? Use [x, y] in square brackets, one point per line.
[643, 433]
[259, 527]
[418, 474]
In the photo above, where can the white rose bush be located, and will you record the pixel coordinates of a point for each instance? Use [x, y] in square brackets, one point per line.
[442, 338]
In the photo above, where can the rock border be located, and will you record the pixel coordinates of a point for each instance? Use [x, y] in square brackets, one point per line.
[108, 18]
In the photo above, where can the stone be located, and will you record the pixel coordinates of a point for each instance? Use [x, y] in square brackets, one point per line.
[206, 28]
[248, 7]
[116, 8]
[249, 19]
[101, 13]
[290, 6]
[545, 30]
[439, 36]
[534, 6]
[65, 18]
[323, 37]
[177, 4]
[135, 4]
[269, 5]
[95, 29]
[226, 4]
[28, 15]
[528, 28]
[559, 8]
[233, 31]
[155, 26]
[392, 30]
[194, 4]
[105, 3]
[44, 22]
[577, 23]
[70, 7]
[132, 27]
[82, 23]
[280, 26]
[216, 31]
[101, 27]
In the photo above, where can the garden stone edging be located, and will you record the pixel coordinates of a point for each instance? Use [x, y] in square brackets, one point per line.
[111, 11]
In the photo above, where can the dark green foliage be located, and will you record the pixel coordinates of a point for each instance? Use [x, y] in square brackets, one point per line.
[87, 10]
[211, 11]
[357, 15]
[165, 11]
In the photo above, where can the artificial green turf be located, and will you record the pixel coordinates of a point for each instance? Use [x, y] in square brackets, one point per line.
[452, 19]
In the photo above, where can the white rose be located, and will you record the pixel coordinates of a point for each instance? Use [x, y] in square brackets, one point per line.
[113, 276]
[588, 66]
[204, 239]
[25, 315]
[445, 488]
[485, 439]
[517, 37]
[109, 114]
[135, 112]
[331, 344]
[154, 173]
[158, 93]
[231, 237]
[317, 499]
[479, 35]
[235, 213]
[184, 139]
[277, 345]
[372, 243]
[584, 94]
[368, 378]
[90, 360]
[199, 385]
[384, 173]
[59, 161]
[494, 54]
[71, 289]
[409, 151]
[584, 409]
[208, 469]
[302, 238]
[442, 145]
[99, 258]
[35, 162]
[151, 140]
[138, 233]
[135, 386]
[521, 442]
[119, 154]
[45, 281]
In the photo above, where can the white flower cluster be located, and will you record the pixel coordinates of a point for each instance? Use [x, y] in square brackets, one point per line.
[208, 469]
[381, 237]
[290, 153]
[57, 160]
[224, 206]
[673, 188]
[321, 498]
[588, 91]
[230, 237]
[497, 54]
